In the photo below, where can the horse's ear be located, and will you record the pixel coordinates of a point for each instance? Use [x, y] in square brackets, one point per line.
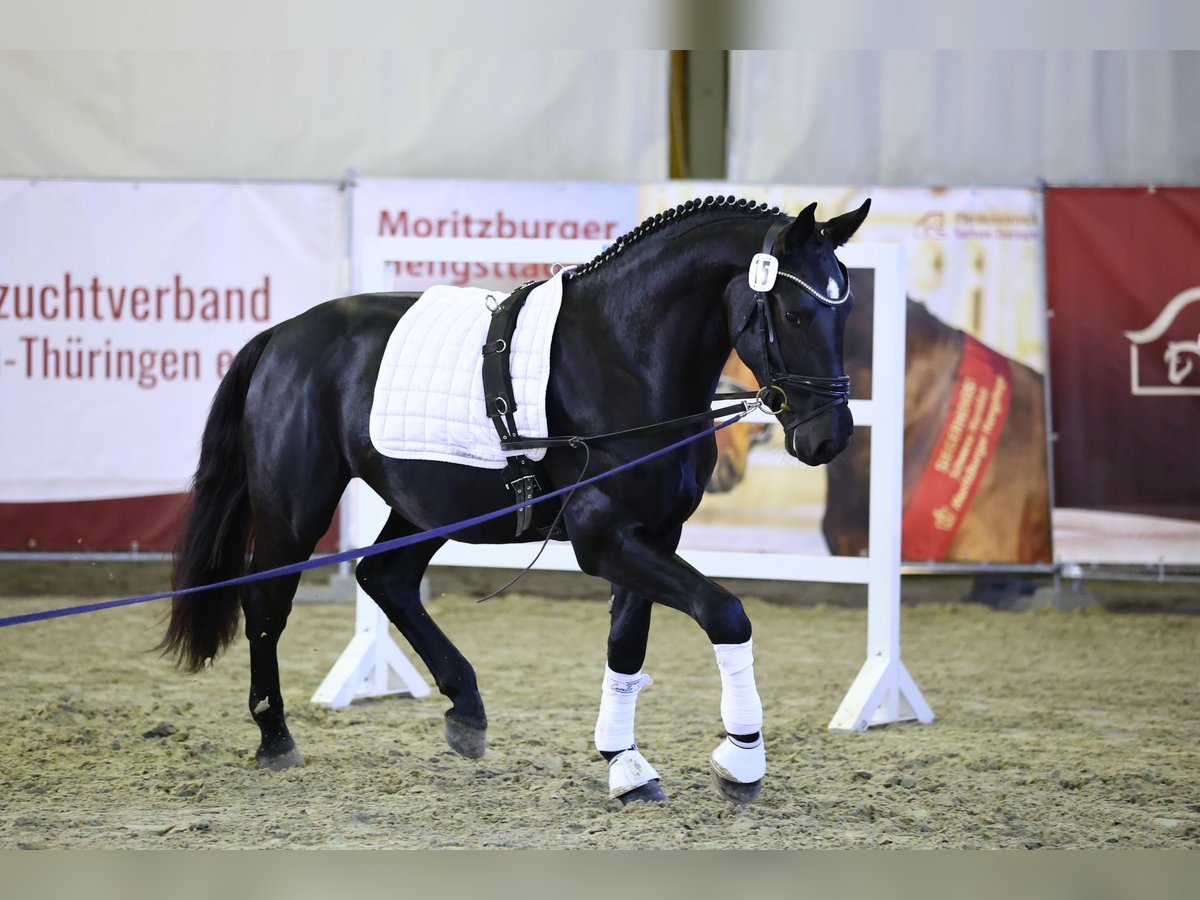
[801, 229]
[841, 229]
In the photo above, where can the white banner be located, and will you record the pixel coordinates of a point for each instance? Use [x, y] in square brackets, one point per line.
[122, 304]
[489, 210]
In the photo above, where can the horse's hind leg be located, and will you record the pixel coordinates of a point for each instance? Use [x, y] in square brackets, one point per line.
[393, 580]
[266, 605]
[630, 777]
[284, 532]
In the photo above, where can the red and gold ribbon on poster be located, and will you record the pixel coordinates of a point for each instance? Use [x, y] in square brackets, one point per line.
[960, 458]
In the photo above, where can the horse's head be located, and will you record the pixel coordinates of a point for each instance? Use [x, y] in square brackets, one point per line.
[788, 323]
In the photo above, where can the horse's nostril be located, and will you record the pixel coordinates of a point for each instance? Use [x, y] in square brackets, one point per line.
[831, 447]
[819, 453]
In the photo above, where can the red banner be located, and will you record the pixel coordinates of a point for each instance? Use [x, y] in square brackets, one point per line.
[1123, 288]
[960, 458]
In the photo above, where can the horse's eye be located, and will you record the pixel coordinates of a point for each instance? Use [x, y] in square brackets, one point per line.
[792, 317]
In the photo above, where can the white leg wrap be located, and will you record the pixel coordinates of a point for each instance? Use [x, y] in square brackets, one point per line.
[741, 709]
[618, 704]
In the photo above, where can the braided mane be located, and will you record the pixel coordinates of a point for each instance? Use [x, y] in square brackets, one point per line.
[655, 223]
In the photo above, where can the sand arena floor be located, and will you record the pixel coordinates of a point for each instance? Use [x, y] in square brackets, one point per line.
[1054, 729]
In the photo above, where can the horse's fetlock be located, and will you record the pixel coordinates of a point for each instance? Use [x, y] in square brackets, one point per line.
[266, 709]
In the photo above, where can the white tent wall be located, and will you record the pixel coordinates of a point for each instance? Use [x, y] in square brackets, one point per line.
[924, 117]
[533, 114]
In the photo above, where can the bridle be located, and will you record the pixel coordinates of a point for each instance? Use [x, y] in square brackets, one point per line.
[764, 268]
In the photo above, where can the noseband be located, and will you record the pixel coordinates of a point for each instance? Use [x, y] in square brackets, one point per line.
[763, 271]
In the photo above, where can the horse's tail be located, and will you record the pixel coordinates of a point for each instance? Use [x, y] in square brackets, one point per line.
[216, 534]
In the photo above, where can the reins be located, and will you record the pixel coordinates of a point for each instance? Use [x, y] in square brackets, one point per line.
[670, 424]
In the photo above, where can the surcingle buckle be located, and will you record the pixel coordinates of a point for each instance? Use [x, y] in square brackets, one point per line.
[523, 490]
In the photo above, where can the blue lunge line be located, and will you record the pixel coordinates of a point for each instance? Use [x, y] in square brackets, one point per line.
[362, 552]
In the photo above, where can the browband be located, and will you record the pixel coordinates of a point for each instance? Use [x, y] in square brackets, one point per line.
[764, 270]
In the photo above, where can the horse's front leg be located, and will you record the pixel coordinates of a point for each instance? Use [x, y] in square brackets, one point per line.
[630, 777]
[625, 557]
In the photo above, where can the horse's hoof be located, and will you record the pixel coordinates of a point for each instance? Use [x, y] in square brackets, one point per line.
[289, 759]
[735, 791]
[650, 792]
[466, 738]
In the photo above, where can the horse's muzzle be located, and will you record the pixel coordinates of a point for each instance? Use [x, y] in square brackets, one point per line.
[820, 439]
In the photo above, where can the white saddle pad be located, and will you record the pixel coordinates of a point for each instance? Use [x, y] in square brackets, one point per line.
[429, 401]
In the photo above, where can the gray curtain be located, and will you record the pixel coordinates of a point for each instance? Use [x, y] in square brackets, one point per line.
[1011, 118]
[533, 114]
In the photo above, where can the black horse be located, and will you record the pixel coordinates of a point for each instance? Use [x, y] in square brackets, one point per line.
[641, 337]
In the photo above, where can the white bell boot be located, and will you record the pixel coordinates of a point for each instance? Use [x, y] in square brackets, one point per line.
[741, 763]
[627, 771]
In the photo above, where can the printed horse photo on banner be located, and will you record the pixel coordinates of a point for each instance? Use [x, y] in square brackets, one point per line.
[735, 442]
[976, 486]
[464, 408]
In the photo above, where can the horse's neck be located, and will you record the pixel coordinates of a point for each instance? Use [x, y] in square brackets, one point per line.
[664, 304]
[933, 349]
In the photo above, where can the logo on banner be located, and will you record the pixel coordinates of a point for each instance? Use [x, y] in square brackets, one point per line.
[1180, 359]
[931, 226]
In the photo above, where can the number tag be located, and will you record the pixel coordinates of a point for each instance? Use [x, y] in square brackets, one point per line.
[763, 269]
